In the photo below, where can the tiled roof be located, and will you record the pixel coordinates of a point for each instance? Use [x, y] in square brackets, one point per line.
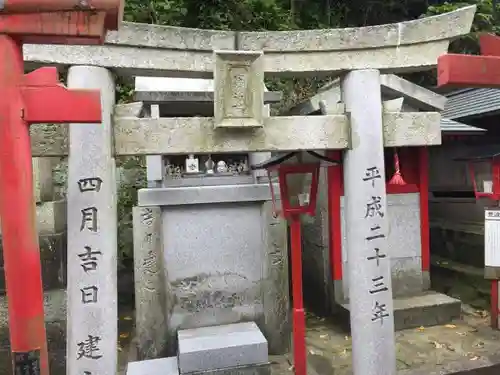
[448, 125]
[471, 102]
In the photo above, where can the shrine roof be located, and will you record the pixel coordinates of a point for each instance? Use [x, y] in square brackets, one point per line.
[467, 103]
[481, 153]
[451, 126]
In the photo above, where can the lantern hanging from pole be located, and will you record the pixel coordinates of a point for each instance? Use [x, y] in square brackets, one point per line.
[293, 184]
[484, 172]
[295, 195]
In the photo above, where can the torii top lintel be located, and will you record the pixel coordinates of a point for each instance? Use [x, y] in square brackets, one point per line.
[60, 21]
[462, 71]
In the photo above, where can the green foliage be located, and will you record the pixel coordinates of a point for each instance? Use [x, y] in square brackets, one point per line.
[484, 21]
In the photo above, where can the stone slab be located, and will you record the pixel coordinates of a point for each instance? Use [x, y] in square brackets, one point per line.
[219, 347]
[203, 194]
[423, 310]
[160, 366]
[146, 136]
[415, 95]
[262, 369]
[174, 97]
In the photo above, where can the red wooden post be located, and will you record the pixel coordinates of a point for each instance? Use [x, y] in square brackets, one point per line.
[299, 317]
[475, 71]
[25, 99]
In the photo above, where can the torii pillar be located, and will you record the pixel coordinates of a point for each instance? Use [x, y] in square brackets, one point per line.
[27, 99]
[479, 71]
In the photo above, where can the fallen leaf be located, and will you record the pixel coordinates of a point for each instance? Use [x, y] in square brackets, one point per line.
[421, 329]
[437, 345]
[124, 335]
[450, 326]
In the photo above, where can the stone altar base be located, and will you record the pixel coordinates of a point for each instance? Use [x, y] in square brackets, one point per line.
[233, 349]
[423, 310]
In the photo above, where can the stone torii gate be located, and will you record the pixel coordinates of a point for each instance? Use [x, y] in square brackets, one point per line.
[360, 128]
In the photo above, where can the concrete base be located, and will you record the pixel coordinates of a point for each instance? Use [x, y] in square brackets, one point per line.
[221, 347]
[423, 310]
[168, 366]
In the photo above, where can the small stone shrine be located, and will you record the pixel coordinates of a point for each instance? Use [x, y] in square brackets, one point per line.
[215, 203]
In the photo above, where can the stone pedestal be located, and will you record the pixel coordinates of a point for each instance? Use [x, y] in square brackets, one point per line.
[224, 260]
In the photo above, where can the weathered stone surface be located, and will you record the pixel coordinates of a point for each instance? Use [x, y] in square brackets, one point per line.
[53, 258]
[160, 366]
[423, 310]
[220, 347]
[54, 306]
[178, 196]
[238, 89]
[275, 289]
[50, 217]
[367, 228]
[92, 234]
[162, 50]
[49, 139]
[263, 369]
[415, 95]
[42, 179]
[146, 136]
[411, 129]
[129, 109]
[150, 283]
[197, 135]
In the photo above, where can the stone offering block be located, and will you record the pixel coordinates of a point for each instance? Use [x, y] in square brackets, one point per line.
[238, 89]
[263, 369]
[221, 347]
[160, 366]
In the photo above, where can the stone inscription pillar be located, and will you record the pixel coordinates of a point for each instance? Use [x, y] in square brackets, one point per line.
[150, 283]
[368, 260]
[92, 235]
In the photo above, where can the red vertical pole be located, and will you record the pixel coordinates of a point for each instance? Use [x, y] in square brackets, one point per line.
[423, 157]
[17, 211]
[494, 304]
[299, 317]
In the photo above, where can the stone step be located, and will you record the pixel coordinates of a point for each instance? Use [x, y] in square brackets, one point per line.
[422, 310]
[221, 347]
[168, 366]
